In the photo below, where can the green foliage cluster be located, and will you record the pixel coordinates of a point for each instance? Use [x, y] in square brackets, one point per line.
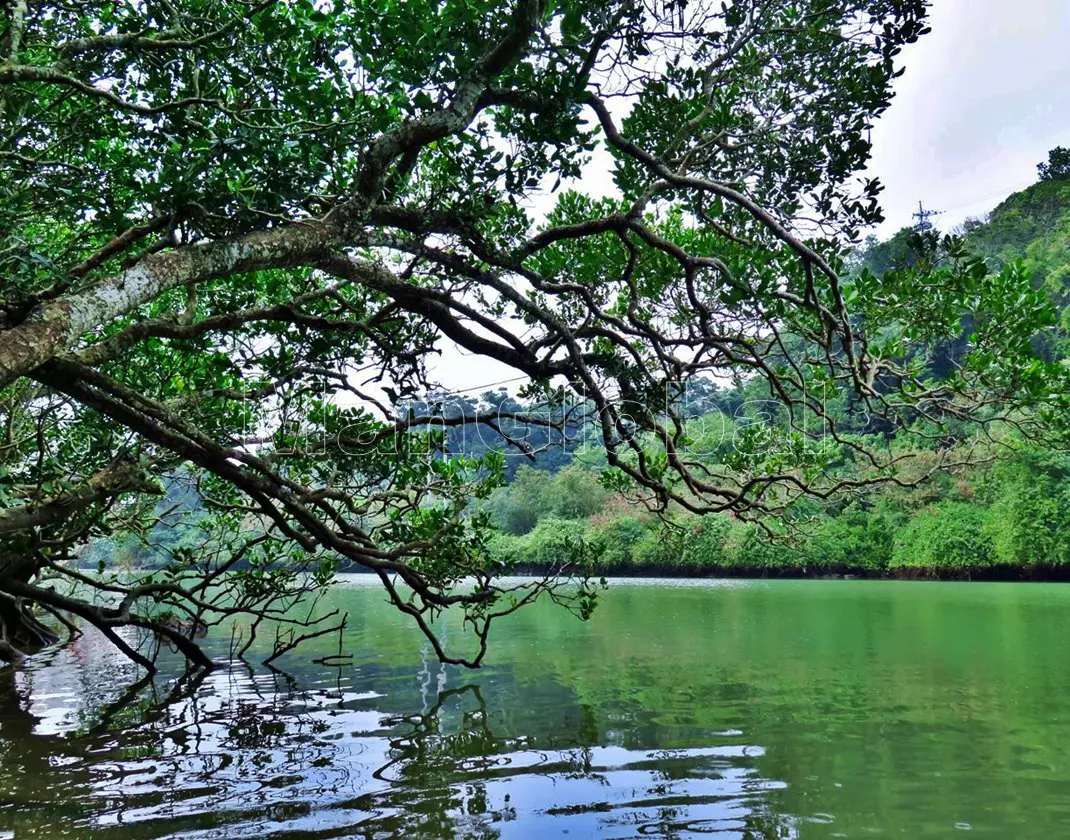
[1021, 221]
[535, 495]
[1030, 519]
[1058, 166]
[951, 535]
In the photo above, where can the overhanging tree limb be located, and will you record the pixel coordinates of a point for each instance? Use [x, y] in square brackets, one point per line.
[317, 222]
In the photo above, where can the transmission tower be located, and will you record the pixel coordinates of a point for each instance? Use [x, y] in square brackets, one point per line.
[923, 217]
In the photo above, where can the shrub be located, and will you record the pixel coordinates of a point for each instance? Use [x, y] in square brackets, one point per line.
[704, 546]
[657, 549]
[854, 538]
[620, 537]
[575, 493]
[952, 535]
[553, 541]
[1030, 519]
[505, 549]
[516, 508]
[753, 548]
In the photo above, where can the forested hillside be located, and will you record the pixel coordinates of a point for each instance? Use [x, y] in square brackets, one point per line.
[1008, 516]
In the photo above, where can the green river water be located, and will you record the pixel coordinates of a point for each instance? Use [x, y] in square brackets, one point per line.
[742, 709]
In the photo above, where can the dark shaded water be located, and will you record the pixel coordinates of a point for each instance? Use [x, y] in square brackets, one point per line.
[786, 709]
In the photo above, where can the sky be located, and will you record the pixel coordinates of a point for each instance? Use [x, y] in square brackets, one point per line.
[985, 96]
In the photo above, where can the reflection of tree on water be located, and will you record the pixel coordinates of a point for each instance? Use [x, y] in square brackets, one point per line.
[253, 753]
[479, 781]
[46, 777]
[159, 760]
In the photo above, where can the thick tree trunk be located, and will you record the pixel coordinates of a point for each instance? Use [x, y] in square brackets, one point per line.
[21, 633]
[52, 327]
[20, 630]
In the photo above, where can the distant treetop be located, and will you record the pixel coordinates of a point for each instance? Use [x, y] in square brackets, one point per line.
[1058, 166]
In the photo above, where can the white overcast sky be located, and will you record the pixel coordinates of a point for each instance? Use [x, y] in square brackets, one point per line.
[985, 95]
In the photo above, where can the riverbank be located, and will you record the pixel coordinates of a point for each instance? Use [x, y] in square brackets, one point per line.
[1003, 573]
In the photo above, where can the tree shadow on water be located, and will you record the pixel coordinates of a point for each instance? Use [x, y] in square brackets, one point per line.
[250, 752]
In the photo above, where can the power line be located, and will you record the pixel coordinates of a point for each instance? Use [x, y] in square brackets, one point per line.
[994, 194]
[485, 386]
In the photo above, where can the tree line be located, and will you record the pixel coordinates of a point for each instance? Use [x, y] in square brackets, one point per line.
[1007, 516]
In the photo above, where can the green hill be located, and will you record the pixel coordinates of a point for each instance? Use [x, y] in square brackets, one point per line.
[1033, 226]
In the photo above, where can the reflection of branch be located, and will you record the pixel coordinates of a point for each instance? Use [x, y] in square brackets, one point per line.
[106, 620]
[19, 722]
[413, 748]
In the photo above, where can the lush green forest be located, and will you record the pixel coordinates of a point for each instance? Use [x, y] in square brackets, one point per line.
[1006, 516]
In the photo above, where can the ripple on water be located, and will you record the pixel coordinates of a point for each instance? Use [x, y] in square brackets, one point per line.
[766, 710]
[247, 753]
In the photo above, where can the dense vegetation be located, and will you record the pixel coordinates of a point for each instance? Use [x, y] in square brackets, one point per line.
[1008, 517]
[234, 236]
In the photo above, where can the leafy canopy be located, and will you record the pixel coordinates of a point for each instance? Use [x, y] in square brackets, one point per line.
[234, 234]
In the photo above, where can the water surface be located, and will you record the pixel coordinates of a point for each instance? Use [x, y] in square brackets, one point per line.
[781, 709]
